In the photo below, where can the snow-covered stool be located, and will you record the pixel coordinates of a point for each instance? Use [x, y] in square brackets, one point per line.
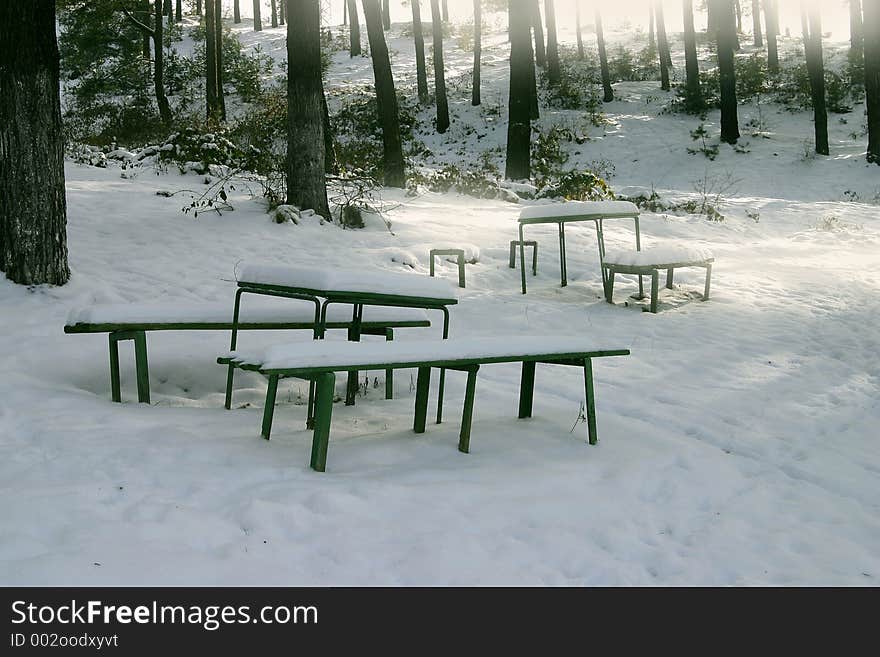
[525, 243]
[650, 261]
[458, 253]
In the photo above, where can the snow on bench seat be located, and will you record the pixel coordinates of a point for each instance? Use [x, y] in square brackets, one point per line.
[336, 356]
[660, 257]
[550, 212]
[252, 311]
[341, 280]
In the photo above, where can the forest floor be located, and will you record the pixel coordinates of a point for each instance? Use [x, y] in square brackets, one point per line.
[738, 443]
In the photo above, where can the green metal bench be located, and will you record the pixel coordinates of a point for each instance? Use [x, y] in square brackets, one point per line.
[132, 322]
[319, 361]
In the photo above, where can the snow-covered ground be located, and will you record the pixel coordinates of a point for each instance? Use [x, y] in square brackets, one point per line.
[738, 443]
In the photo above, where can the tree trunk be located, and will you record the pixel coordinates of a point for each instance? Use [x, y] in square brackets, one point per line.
[871, 9]
[478, 37]
[577, 27]
[771, 22]
[354, 29]
[445, 11]
[439, 74]
[218, 40]
[756, 23]
[344, 12]
[198, 7]
[236, 12]
[258, 21]
[812, 28]
[386, 14]
[538, 29]
[553, 72]
[145, 16]
[306, 184]
[211, 96]
[693, 95]
[282, 12]
[652, 41]
[519, 128]
[421, 69]
[534, 113]
[159, 68]
[386, 97]
[739, 16]
[178, 11]
[723, 10]
[33, 208]
[856, 38]
[275, 13]
[330, 164]
[663, 46]
[603, 60]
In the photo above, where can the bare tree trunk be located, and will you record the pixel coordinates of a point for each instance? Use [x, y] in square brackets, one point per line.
[282, 12]
[418, 35]
[739, 16]
[33, 208]
[218, 40]
[856, 38]
[439, 74]
[178, 11]
[693, 95]
[306, 184]
[478, 47]
[663, 46]
[534, 112]
[159, 67]
[145, 16]
[258, 21]
[354, 29]
[198, 7]
[577, 26]
[723, 10]
[386, 97]
[519, 127]
[330, 164]
[211, 100]
[274, 5]
[445, 11]
[812, 28]
[652, 41]
[771, 22]
[236, 12]
[871, 33]
[538, 29]
[386, 15]
[603, 60]
[345, 12]
[756, 23]
[553, 72]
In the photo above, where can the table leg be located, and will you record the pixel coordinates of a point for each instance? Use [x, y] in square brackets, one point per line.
[639, 248]
[464, 437]
[115, 390]
[143, 372]
[389, 373]
[522, 259]
[326, 385]
[655, 283]
[669, 279]
[526, 389]
[708, 280]
[591, 401]
[423, 385]
[269, 408]
[443, 369]
[562, 268]
[354, 335]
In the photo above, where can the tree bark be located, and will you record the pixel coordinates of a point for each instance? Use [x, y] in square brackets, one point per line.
[652, 40]
[354, 29]
[739, 16]
[478, 47]
[145, 16]
[553, 72]
[386, 97]
[439, 73]
[771, 22]
[236, 12]
[274, 6]
[282, 12]
[603, 60]
[386, 15]
[756, 23]
[330, 164]
[662, 46]
[218, 39]
[519, 128]
[198, 7]
[33, 208]
[258, 21]
[419, 37]
[211, 96]
[306, 182]
[871, 9]
[159, 67]
[577, 27]
[445, 11]
[726, 38]
[178, 11]
[812, 28]
[856, 38]
[538, 29]
[693, 94]
[534, 113]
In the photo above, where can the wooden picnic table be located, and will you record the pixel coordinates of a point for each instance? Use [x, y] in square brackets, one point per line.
[563, 213]
[357, 288]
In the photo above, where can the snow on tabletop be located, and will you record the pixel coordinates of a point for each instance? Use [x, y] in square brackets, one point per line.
[253, 309]
[343, 280]
[665, 254]
[576, 208]
[319, 353]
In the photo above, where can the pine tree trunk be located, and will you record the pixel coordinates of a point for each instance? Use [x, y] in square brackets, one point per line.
[771, 22]
[519, 128]
[871, 9]
[198, 7]
[211, 100]
[534, 114]
[723, 10]
[344, 12]
[330, 164]
[739, 16]
[445, 11]
[159, 67]
[756, 23]
[553, 72]
[439, 74]
[236, 12]
[354, 29]
[856, 38]
[419, 37]
[577, 27]
[145, 16]
[652, 40]
[386, 97]
[603, 60]
[274, 5]
[478, 48]
[538, 29]
[812, 25]
[693, 95]
[306, 183]
[33, 208]
[258, 21]
[386, 15]
[282, 12]
[663, 46]
[178, 11]
[218, 40]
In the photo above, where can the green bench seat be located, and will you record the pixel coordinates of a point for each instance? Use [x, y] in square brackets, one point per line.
[132, 321]
[318, 361]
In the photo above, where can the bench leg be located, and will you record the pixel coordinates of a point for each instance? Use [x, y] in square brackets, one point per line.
[143, 371]
[639, 248]
[526, 389]
[562, 268]
[708, 280]
[326, 385]
[461, 270]
[269, 408]
[440, 395]
[310, 408]
[389, 373]
[609, 286]
[512, 260]
[423, 384]
[114, 369]
[535, 259]
[354, 335]
[655, 280]
[591, 401]
[464, 438]
[669, 278]
[230, 374]
[522, 259]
